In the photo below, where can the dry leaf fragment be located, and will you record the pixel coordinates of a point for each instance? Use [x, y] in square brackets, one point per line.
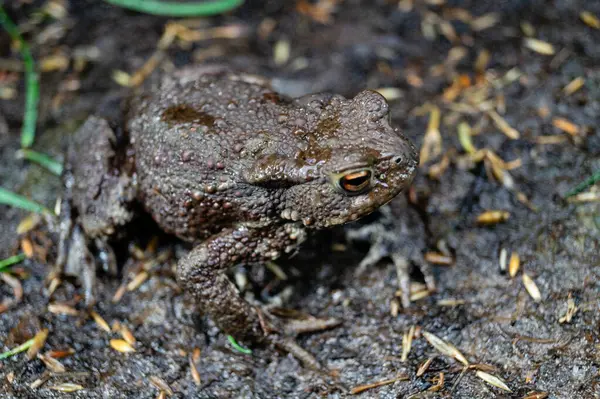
[539, 46]
[445, 348]
[590, 19]
[532, 288]
[67, 387]
[492, 380]
[38, 342]
[514, 264]
[100, 321]
[121, 346]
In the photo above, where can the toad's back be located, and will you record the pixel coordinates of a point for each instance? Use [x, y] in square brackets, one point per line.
[192, 140]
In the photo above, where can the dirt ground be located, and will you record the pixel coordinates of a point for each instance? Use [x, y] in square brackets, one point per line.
[471, 60]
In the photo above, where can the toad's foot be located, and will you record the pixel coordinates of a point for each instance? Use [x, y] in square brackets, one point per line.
[400, 239]
[202, 272]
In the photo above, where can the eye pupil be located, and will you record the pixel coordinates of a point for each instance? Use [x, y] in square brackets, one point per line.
[356, 182]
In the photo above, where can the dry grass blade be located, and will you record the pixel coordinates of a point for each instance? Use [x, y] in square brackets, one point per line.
[425, 366]
[514, 264]
[59, 354]
[492, 380]
[464, 136]
[100, 321]
[27, 247]
[121, 346]
[407, 339]
[137, 280]
[28, 223]
[566, 126]
[590, 19]
[539, 46]
[390, 93]
[532, 288]
[127, 335]
[536, 395]
[485, 22]
[52, 364]
[445, 348]
[194, 371]
[574, 85]
[432, 141]
[38, 342]
[67, 387]
[61, 308]
[571, 310]
[439, 259]
[362, 388]
[451, 302]
[503, 125]
[161, 385]
[492, 217]
[503, 257]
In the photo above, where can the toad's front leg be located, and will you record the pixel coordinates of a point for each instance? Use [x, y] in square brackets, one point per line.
[203, 274]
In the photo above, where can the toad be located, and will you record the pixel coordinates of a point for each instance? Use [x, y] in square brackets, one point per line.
[220, 160]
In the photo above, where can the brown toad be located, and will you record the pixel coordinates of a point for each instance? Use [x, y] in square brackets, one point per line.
[222, 161]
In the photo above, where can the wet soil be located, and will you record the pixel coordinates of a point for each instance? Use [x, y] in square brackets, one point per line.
[490, 317]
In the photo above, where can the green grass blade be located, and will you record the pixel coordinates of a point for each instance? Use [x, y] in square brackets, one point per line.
[593, 179]
[11, 199]
[21, 348]
[238, 347]
[172, 9]
[42, 159]
[11, 260]
[32, 87]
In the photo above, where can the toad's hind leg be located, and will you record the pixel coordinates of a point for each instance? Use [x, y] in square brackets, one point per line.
[98, 197]
[203, 274]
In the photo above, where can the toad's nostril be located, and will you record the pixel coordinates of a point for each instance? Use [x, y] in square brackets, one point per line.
[398, 160]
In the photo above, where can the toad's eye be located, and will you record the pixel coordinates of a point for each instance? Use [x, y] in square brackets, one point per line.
[355, 182]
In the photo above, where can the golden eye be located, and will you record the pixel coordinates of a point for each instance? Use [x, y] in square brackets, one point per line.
[355, 182]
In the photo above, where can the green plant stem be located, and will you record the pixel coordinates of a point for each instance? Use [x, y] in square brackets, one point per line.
[12, 199]
[172, 9]
[44, 160]
[32, 87]
[594, 178]
[238, 347]
[11, 260]
[21, 348]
